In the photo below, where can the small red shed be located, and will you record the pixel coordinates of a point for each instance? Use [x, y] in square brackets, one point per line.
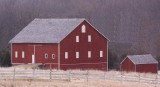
[62, 44]
[139, 63]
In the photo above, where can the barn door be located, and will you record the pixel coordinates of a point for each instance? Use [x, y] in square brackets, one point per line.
[33, 59]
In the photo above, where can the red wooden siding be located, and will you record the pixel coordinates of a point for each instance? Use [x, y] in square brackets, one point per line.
[152, 68]
[68, 44]
[39, 53]
[127, 65]
[98, 43]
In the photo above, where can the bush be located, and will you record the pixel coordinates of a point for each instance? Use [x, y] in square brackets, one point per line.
[158, 59]
[5, 58]
[114, 60]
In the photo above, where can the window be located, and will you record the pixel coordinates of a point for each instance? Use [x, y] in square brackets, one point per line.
[83, 29]
[16, 54]
[89, 38]
[77, 55]
[66, 55]
[89, 54]
[101, 53]
[77, 38]
[23, 54]
[53, 56]
[46, 55]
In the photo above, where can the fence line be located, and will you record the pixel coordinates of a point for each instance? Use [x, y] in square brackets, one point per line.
[72, 75]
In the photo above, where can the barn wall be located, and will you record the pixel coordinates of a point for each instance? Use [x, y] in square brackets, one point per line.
[70, 45]
[127, 65]
[152, 68]
[40, 51]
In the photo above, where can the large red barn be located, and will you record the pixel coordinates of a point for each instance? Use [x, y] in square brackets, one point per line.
[62, 44]
[139, 63]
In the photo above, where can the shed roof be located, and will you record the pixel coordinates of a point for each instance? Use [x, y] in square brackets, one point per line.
[142, 59]
[46, 30]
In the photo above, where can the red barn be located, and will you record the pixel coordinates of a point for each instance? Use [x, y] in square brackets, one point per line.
[61, 44]
[139, 63]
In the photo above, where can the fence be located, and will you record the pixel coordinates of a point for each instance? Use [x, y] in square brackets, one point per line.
[78, 75]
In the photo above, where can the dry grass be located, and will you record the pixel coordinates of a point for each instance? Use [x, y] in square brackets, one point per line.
[79, 83]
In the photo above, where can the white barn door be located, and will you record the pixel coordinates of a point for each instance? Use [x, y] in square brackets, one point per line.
[33, 59]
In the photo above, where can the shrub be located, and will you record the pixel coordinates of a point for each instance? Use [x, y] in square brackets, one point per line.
[5, 58]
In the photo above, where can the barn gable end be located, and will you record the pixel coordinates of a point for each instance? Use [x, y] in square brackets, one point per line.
[142, 63]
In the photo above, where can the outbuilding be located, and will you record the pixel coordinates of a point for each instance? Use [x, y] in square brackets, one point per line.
[62, 44]
[139, 63]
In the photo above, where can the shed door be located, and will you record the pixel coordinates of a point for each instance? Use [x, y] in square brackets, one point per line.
[33, 59]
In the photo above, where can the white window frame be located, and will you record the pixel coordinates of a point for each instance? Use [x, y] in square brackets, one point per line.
[23, 54]
[89, 38]
[83, 29]
[89, 54]
[46, 55]
[66, 55]
[53, 56]
[77, 55]
[101, 53]
[16, 54]
[77, 38]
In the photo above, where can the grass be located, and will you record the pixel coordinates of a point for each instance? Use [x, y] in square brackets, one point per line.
[77, 82]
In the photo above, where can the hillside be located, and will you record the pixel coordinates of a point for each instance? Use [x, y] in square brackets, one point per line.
[131, 25]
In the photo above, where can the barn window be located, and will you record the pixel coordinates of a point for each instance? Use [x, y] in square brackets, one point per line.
[53, 56]
[83, 29]
[77, 38]
[77, 55]
[66, 55]
[101, 53]
[46, 55]
[89, 38]
[89, 54]
[23, 55]
[16, 54]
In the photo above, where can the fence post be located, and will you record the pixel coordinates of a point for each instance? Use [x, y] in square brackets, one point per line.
[13, 74]
[139, 76]
[87, 75]
[104, 75]
[33, 73]
[50, 74]
[69, 78]
[121, 78]
[156, 79]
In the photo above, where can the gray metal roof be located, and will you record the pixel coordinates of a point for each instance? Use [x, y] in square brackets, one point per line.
[46, 30]
[142, 59]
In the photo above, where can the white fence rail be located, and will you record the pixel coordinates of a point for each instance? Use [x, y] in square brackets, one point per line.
[72, 75]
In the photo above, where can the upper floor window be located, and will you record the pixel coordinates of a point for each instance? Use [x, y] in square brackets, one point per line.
[16, 54]
[89, 38]
[83, 29]
[53, 56]
[77, 38]
[23, 55]
[46, 55]
[89, 54]
[77, 55]
[101, 53]
[66, 55]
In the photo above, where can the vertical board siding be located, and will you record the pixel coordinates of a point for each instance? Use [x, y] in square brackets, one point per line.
[70, 45]
[127, 65]
[40, 51]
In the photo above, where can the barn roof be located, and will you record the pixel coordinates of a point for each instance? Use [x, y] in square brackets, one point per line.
[46, 30]
[142, 59]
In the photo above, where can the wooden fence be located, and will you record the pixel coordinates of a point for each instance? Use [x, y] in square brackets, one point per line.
[77, 75]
